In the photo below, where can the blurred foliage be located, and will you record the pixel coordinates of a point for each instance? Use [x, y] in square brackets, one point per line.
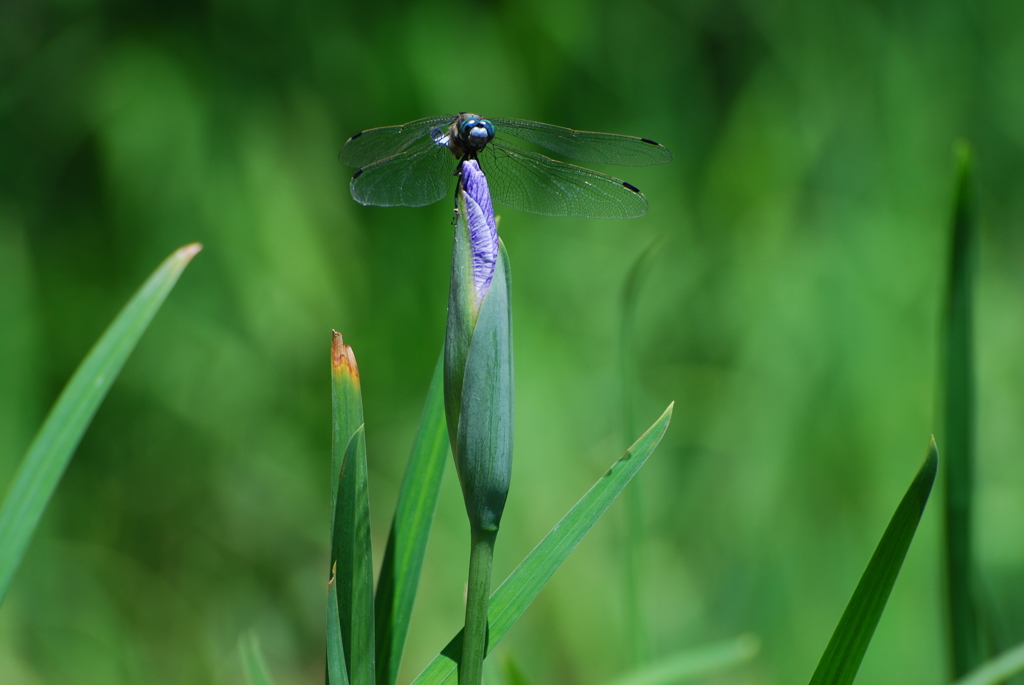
[792, 313]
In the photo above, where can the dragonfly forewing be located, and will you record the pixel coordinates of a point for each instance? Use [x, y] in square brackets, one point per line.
[377, 144]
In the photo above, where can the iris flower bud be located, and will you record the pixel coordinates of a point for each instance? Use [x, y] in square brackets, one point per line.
[478, 355]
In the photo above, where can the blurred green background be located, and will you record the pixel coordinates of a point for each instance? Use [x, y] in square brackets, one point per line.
[792, 313]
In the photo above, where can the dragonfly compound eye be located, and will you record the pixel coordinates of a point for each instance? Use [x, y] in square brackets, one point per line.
[477, 133]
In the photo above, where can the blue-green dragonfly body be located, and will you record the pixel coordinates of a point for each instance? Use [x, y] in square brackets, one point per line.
[412, 165]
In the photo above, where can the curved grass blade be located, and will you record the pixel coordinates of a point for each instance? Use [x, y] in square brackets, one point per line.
[510, 600]
[842, 657]
[253, 664]
[694, 663]
[511, 672]
[354, 577]
[633, 541]
[55, 443]
[346, 409]
[958, 409]
[351, 553]
[997, 670]
[410, 530]
[337, 674]
[491, 675]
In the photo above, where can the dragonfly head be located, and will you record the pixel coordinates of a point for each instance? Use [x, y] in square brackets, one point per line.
[475, 132]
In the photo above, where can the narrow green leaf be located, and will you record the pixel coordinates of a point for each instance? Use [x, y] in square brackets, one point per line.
[410, 530]
[492, 675]
[54, 444]
[351, 554]
[997, 670]
[627, 359]
[253, 664]
[510, 600]
[842, 657]
[513, 674]
[633, 539]
[346, 407]
[959, 427]
[354, 577]
[694, 663]
[337, 674]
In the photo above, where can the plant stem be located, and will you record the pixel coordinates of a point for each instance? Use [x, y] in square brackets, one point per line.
[474, 640]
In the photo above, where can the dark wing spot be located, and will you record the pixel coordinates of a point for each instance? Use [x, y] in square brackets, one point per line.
[361, 133]
[356, 175]
[649, 142]
[633, 188]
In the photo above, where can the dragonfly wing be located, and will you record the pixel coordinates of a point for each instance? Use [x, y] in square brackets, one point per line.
[376, 144]
[534, 183]
[589, 147]
[414, 178]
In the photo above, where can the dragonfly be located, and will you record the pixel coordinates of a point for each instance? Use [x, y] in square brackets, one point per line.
[412, 165]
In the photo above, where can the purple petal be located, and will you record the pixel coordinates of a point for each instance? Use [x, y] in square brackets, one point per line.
[483, 230]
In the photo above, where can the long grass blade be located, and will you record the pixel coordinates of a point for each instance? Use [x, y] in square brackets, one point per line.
[337, 674]
[510, 600]
[354, 577]
[511, 672]
[633, 540]
[842, 657]
[253, 664]
[410, 530]
[55, 443]
[995, 671]
[958, 410]
[492, 674]
[351, 553]
[695, 663]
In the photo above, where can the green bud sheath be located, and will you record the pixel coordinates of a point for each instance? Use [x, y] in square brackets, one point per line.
[462, 316]
[483, 454]
[478, 378]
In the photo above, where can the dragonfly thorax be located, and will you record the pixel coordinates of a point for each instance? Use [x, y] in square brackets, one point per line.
[469, 134]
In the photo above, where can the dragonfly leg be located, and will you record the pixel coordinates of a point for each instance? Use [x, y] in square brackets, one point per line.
[458, 186]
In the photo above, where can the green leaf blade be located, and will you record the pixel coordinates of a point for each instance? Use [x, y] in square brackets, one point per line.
[410, 531]
[346, 407]
[253, 664]
[351, 552]
[633, 541]
[997, 670]
[337, 674]
[354, 559]
[510, 600]
[958, 409]
[54, 445]
[694, 663]
[849, 642]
